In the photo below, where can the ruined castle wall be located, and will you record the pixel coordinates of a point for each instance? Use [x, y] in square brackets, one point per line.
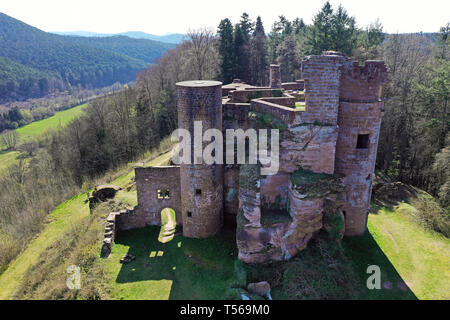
[244, 96]
[357, 164]
[322, 78]
[360, 113]
[275, 76]
[201, 184]
[309, 146]
[292, 85]
[288, 115]
[235, 115]
[157, 188]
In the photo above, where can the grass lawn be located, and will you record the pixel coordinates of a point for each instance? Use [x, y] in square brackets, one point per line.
[35, 129]
[178, 269]
[300, 106]
[406, 254]
[62, 118]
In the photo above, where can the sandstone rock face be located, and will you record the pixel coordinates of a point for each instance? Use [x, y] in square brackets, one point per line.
[260, 288]
[276, 241]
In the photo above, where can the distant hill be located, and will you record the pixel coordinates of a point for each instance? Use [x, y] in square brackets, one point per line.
[173, 38]
[142, 49]
[34, 63]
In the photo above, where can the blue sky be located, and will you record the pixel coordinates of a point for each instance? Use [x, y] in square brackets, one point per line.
[163, 16]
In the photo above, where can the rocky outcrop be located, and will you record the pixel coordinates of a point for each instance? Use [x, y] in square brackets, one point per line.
[264, 234]
[261, 288]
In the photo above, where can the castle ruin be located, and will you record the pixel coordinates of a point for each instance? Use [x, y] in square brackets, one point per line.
[329, 124]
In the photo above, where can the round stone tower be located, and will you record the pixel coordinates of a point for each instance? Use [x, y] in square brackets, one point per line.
[201, 184]
[359, 119]
[275, 76]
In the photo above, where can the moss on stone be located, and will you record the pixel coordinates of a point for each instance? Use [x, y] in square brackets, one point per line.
[315, 184]
[249, 175]
[261, 120]
[270, 217]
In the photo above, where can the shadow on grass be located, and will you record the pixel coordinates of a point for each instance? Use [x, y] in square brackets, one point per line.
[364, 251]
[198, 268]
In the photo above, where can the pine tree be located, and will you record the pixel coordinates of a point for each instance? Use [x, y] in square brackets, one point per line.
[239, 49]
[258, 54]
[226, 50]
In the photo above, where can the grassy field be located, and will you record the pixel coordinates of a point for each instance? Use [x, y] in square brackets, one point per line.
[35, 129]
[406, 253]
[62, 118]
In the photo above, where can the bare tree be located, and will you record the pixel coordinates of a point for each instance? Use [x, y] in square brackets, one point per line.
[203, 50]
[9, 139]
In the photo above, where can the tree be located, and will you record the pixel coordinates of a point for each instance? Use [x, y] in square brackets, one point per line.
[332, 31]
[319, 38]
[202, 47]
[258, 63]
[343, 35]
[243, 47]
[225, 47]
[9, 139]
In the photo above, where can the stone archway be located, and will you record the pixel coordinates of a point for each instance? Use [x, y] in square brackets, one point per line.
[168, 225]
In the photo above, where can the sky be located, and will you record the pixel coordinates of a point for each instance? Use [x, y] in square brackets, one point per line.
[169, 16]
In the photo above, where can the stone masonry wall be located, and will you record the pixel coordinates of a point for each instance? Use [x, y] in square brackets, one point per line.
[309, 146]
[201, 184]
[322, 78]
[357, 164]
[275, 76]
[152, 183]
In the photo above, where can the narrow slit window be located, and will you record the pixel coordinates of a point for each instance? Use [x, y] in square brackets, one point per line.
[198, 192]
[189, 214]
[363, 141]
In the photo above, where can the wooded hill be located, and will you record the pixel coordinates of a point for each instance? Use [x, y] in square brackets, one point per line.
[34, 63]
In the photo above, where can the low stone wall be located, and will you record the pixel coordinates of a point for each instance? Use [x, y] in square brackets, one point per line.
[292, 86]
[290, 116]
[113, 223]
[245, 96]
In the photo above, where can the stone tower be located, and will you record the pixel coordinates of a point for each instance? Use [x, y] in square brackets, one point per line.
[201, 184]
[275, 76]
[359, 120]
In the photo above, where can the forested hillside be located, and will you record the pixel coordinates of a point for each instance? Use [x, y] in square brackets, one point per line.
[35, 63]
[173, 38]
[145, 50]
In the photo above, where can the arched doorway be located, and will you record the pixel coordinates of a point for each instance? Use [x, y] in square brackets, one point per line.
[168, 225]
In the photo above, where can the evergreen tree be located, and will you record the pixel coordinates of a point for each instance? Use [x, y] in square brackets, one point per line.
[239, 49]
[332, 31]
[319, 37]
[225, 31]
[343, 35]
[258, 54]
